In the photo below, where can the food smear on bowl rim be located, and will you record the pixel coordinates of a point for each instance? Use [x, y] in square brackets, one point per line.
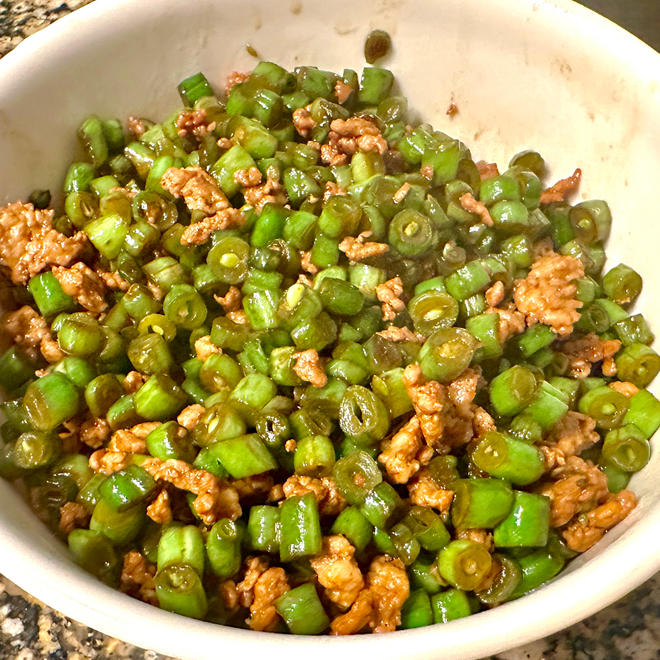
[287, 361]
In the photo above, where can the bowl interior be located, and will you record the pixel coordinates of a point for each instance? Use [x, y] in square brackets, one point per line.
[524, 74]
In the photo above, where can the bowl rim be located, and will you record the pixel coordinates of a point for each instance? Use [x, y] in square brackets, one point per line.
[71, 591]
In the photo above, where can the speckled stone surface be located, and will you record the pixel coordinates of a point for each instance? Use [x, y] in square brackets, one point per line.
[29, 630]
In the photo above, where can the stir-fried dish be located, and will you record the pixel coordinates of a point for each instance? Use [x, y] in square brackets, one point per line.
[288, 361]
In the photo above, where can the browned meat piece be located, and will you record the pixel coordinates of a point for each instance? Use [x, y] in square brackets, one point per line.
[587, 529]
[234, 78]
[338, 572]
[270, 585]
[303, 122]
[324, 489]
[428, 399]
[308, 368]
[248, 177]
[160, 510]
[137, 577]
[29, 243]
[578, 487]
[194, 122]
[558, 192]
[569, 437]
[399, 453]
[84, 285]
[423, 491]
[73, 515]
[547, 294]
[359, 249]
[389, 294]
[215, 498]
[389, 586]
[586, 351]
[231, 301]
[95, 432]
[472, 205]
[487, 170]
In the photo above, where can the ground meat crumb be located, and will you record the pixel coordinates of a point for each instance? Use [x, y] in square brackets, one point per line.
[199, 232]
[586, 351]
[136, 126]
[190, 416]
[452, 110]
[389, 294]
[356, 618]
[472, 205]
[401, 193]
[428, 399]
[231, 301]
[423, 491]
[95, 432]
[73, 515]
[258, 484]
[113, 280]
[204, 348]
[589, 528]
[482, 422]
[199, 189]
[160, 510]
[399, 453]
[132, 440]
[276, 493]
[558, 192]
[29, 243]
[234, 78]
[579, 487]
[253, 568]
[194, 122]
[396, 334]
[332, 189]
[342, 91]
[137, 577]
[573, 434]
[427, 171]
[463, 389]
[269, 192]
[229, 595]
[512, 322]
[270, 585]
[215, 498]
[50, 349]
[626, 388]
[547, 294]
[308, 368]
[388, 583]
[359, 249]
[306, 262]
[495, 294]
[248, 177]
[290, 445]
[84, 285]
[330, 500]
[303, 122]
[133, 381]
[487, 170]
[108, 462]
[238, 316]
[379, 604]
[26, 329]
[337, 571]
[360, 132]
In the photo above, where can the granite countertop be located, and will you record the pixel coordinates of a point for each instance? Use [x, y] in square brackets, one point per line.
[30, 630]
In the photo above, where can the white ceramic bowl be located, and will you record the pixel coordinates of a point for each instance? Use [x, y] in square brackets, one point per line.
[524, 73]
